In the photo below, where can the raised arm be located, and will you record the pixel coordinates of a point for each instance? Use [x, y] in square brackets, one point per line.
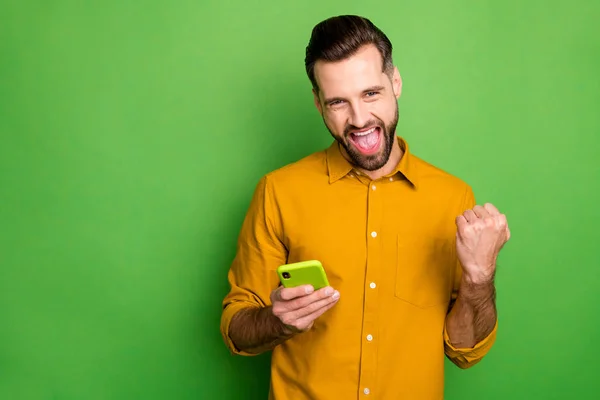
[471, 324]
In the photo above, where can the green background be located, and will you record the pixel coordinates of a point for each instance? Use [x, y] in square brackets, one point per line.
[133, 134]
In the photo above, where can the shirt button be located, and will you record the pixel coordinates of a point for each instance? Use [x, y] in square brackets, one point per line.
[366, 391]
[369, 337]
[374, 187]
[374, 234]
[391, 179]
[372, 285]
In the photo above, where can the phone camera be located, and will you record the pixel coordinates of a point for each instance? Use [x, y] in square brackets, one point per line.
[286, 275]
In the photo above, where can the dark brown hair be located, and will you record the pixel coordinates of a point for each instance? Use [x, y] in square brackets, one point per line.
[339, 37]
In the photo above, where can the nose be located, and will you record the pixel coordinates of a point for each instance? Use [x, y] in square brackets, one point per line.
[359, 115]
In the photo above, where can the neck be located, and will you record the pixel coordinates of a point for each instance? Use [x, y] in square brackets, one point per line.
[390, 165]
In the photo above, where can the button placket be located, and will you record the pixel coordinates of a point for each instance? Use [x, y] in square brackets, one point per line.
[370, 316]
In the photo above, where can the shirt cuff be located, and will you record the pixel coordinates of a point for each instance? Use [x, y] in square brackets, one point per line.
[229, 311]
[467, 357]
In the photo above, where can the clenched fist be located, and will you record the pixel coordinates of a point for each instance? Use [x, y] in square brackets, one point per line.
[481, 233]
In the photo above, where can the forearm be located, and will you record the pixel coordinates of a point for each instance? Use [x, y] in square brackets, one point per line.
[256, 330]
[473, 315]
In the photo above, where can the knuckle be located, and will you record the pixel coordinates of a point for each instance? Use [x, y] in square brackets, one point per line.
[311, 309]
[297, 303]
[315, 306]
[284, 294]
[278, 309]
[287, 319]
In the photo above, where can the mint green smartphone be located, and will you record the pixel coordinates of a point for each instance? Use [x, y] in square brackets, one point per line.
[309, 272]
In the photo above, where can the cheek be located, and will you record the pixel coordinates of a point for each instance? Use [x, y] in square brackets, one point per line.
[385, 111]
[336, 121]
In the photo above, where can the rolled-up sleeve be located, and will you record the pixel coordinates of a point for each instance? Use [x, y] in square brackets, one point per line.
[467, 357]
[252, 275]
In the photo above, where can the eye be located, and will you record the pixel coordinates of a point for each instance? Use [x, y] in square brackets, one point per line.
[371, 94]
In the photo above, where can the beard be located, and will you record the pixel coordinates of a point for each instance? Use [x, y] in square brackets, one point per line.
[371, 162]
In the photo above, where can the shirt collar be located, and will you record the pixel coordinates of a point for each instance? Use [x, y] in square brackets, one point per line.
[338, 166]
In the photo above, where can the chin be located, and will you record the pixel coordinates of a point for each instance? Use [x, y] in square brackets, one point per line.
[370, 158]
[372, 163]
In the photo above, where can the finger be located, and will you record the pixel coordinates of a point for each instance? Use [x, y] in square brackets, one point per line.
[461, 224]
[504, 225]
[470, 216]
[301, 302]
[481, 212]
[275, 296]
[287, 294]
[305, 321]
[491, 209]
[502, 222]
[315, 306]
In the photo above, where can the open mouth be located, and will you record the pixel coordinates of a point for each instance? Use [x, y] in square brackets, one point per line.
[367, 141]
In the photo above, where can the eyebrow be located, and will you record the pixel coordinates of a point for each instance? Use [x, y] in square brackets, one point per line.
[376, 88]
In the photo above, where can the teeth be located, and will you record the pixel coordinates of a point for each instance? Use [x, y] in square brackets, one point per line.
[365, 133]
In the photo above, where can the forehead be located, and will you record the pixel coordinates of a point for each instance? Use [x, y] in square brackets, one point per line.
[355, 73]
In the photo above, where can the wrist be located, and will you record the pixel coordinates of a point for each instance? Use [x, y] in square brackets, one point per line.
[477, 290]
[282, 330]
[477, 279]
[477, 275]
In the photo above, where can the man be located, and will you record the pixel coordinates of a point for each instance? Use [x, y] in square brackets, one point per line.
[409, 256]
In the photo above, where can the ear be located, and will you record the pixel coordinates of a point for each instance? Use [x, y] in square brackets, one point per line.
[317, 101]
[397, 82]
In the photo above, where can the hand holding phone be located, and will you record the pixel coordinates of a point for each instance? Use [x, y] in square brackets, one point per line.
[304, 296]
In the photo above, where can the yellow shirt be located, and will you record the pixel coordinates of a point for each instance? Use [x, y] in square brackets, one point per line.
[388, 246]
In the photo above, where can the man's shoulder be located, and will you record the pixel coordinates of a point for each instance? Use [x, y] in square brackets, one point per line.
[434, 176]
[310, 168]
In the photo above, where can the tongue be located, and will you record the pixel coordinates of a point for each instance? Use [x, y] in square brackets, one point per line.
[366, 142]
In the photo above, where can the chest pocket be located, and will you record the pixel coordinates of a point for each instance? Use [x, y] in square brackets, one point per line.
[424, 270]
